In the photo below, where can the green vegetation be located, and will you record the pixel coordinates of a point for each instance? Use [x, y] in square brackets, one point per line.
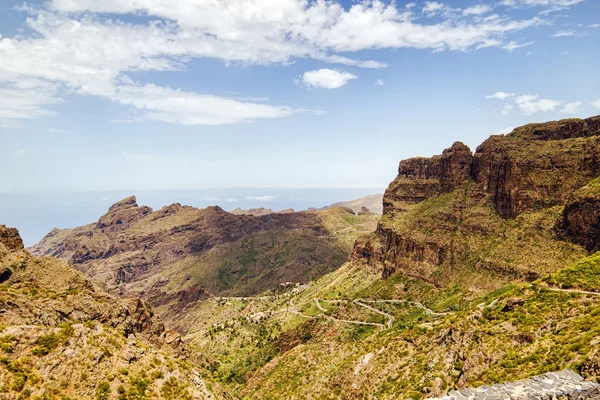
[583, 275]
[103, 392]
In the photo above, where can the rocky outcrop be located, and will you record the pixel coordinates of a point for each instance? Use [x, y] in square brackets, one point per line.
[538, 165]
[122, 214]
[422, 178]
[580, 220]
[10, 238]
[565, 384]
[441, 212]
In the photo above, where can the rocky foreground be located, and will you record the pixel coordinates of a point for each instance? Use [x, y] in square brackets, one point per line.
[563, 384]
[61, 336]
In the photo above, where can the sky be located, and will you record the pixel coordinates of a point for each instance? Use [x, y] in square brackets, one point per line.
[100, 95]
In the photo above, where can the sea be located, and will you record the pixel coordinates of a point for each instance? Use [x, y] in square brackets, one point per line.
[36, 214]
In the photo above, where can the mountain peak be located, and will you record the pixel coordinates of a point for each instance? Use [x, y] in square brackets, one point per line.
[127, 202]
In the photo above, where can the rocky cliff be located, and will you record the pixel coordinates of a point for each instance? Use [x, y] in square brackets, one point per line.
[179, 255]
[505, 210]
[62, 335]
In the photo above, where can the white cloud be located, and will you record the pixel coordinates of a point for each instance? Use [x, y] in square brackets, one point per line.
[327, 78]
[83, 47]
[478, 9]
[260, 198]
[534, 3]
[506, 109]
[571, 108]
[596, 104]
[510, 46]
[20, 152]
[594, 26]
[380, 82]
[432, 7]
[230, 200]
[565, 33]
[164, 104]
[26, 99]
[531, 104]
[500, 95]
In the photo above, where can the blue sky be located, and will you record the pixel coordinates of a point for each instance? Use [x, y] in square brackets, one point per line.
[152, 94]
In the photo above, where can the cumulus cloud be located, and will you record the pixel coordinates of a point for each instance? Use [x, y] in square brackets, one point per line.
[571, 108]
[380, 82]
[596, 104]
[478, 9]
[88, 47]
[531, 104]
[432, 7]
[500, 95]
[327, 78]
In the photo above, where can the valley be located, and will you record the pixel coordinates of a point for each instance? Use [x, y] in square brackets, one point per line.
[482, 270]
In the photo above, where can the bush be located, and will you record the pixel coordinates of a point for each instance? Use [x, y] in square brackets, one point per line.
[103, 392]
[18, 382]
[45, 344]
[173, 390]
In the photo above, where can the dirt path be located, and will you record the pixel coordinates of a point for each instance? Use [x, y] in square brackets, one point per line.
[346, 321]
[373, 309]
[573, 291]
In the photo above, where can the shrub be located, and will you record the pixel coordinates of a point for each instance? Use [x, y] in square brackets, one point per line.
[19, 380]
[45, 344]
[173, 390]
[103, 392]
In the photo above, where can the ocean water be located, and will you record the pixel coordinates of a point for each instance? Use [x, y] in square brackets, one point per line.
[35, 214]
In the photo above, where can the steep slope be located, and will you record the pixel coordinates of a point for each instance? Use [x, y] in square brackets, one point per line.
[477, 274]
[287, 348]
[63, 337]
[180, 255]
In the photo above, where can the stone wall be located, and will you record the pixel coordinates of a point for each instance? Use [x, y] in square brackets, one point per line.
[565, 384]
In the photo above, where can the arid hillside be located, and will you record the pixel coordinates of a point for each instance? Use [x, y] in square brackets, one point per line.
[482, 270]
[61, 336]
[179, 255]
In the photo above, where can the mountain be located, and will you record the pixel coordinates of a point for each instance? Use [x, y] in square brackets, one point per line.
[482, 270]
[481, 220]
[61, 336]
[372, 203]
[180, 255]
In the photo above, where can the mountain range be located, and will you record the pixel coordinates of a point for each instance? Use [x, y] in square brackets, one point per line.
[483, 268]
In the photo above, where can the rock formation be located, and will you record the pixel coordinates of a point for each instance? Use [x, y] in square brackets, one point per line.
[580, 221]
[440, 212]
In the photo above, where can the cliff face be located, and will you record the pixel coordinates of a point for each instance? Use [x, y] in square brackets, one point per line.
[441, 213]
[538, 165]
[422, 178]
[580, 220]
